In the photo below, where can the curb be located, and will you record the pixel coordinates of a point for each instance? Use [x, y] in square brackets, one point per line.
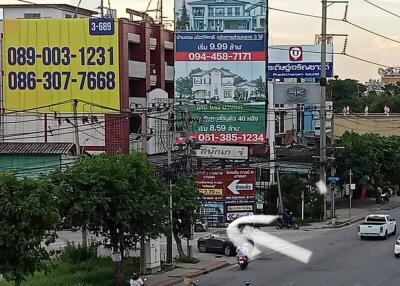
[174, 280]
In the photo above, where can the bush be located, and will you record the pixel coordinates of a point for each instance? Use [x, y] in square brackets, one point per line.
[187, 259]
[78, 253]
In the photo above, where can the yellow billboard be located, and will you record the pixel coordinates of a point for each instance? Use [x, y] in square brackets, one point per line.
[50, 62]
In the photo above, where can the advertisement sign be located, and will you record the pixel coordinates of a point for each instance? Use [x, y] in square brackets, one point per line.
[235, 183]
[298, 61]
[223, 152]
[220, 83]
[240, 208]
[232, 216]
[297, 93]
[220, 70]
[213, 213]
[51, 61]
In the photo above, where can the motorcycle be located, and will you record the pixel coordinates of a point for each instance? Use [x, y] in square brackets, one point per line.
[292, 224]
[243, 262]
[385, 198]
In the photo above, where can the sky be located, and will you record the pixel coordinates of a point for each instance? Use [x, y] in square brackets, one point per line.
[287, 29]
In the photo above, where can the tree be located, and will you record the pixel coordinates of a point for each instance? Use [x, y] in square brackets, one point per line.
[238, 79]
[185, 204]
[28, 218]
[182, 24]
[184, 87]
[126, 203]
[260, 86]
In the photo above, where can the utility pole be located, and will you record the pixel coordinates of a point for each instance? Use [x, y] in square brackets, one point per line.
[78, 155]
[170, 234]
[323, 83]
[143, 133]
[350, 193]
[102, 8]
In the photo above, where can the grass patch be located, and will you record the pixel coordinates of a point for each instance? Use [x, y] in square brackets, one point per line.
[80, 267]
[187, 259]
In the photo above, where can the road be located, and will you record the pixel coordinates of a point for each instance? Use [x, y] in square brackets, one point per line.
[339, 258]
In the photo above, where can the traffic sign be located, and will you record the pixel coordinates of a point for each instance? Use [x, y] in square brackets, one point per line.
[333, 179]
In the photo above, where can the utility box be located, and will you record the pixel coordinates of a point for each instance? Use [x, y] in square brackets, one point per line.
[153, 256]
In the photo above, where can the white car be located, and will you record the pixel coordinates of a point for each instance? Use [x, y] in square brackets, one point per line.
[377, 225]
[397, 247]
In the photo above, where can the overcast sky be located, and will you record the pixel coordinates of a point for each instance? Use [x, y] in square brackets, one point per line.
[292, 29]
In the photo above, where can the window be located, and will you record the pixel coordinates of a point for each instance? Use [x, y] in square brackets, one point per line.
[280, 122]
[197, 80]
[207, 81]
[198, 12]
[227, 94]
[210, 11]
[230, 12]
[68, 16]
[219, 11]
[237, 11]
[216, 92]
[32, 15]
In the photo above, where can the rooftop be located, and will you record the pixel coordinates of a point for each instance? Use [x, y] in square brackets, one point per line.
[63, 7]
[37, 148]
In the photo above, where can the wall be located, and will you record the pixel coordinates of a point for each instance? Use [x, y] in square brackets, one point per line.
[30, 165]
[373, 123]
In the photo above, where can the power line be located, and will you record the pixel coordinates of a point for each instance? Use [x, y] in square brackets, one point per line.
[381, 8]
[337, 20]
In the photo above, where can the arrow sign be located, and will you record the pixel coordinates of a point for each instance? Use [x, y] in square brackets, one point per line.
[235, 187]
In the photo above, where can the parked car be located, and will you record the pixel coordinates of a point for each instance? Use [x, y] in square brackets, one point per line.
[397, 247]
[217, 242]
[200, 226]
[377, 225]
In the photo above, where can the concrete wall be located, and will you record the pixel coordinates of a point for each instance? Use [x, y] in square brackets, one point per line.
[373, 123]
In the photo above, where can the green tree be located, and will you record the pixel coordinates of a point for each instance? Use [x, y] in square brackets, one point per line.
[184, 87]
[260, 86]
[28, 219]
[186, 201]
[238, 79]
[182, 24]
[126, 203]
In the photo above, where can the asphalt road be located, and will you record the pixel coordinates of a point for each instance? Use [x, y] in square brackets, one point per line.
[339, 258]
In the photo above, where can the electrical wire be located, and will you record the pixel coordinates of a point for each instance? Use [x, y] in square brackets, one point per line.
[381, 8]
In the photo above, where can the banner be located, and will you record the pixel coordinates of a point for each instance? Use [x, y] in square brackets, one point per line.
[220, 70]
[302, 61]
[49, 61]
[297, 93]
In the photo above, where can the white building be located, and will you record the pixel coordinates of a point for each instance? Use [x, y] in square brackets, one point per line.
[224, 15]
[214, 84]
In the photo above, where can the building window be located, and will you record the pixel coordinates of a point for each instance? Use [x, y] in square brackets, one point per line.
[210, 11]
[198, 12]
[216, 92]
[227, 94]
[280, 122]
[230, 12]
[237, 11]
[197, 80]
[68, 16]
[207, 81]
[219, 11]
[32, 15]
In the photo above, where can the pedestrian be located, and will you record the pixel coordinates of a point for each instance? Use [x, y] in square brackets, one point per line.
[366, 110]
[136, 280]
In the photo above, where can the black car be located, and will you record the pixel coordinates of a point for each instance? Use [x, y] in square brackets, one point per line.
[217, 242]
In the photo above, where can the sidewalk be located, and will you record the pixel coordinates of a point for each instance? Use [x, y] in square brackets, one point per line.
[360, 209]
[182, 269]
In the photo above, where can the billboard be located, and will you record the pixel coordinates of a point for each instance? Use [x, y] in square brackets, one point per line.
[302, 61]
[297, 93]
[220, 70]
[223, 152]
[232, 184]
[51, 61]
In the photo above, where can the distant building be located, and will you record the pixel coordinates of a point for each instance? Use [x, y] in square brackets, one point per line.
[390, 75]
[374, 85]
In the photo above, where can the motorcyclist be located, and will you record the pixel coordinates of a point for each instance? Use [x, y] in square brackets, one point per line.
[286, 217]
[136, 280]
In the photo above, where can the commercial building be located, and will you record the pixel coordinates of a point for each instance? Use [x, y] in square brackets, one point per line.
[146, 64]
